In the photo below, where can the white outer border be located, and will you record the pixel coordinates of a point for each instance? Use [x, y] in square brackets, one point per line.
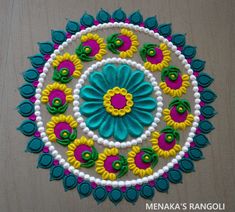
[99, 181]
[90, 133]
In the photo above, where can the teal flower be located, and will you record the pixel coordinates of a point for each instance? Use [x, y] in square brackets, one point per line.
[118, 102]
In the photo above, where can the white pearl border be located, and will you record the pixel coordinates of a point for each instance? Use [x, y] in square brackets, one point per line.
[99, 181]
[106, 142]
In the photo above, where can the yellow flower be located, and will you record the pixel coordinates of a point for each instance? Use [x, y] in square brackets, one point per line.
[148, 160]
[161, 151]
[124, 43]
[70, 59]
[56, 86]
[177, 125]
[134, 44]
[176, 92]
[89, 156]
[81, 51]
[111, 165]
[152, 51]
[115, 111]
[68, 123]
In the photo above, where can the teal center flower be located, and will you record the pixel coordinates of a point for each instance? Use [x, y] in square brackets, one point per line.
[122, 79]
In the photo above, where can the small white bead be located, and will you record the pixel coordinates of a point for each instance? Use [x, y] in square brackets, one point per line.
[161, 171]
[90, 134]
[197, 106]
[123, 145]
[57, 51]
[81, 174]
[185, 149]
[187, 144]
[178, 157]
[190, 72]
[165, 169]
[54, 153]
[76, 172]
[66, 165]
[105, 142]
[71, 169]
[86, 177]
[51, 148]
[177, 52]
[191, 134]
[95, 137]
[144, 137]
[41, 129]
[48, 144]
[82, 125]
[195, 124]
[117, 144]
[147, 133]
[187, 66]
[86, 130]
[53, 55]
[40, 124]
[174, 48]
[174, 161]
[62, 161]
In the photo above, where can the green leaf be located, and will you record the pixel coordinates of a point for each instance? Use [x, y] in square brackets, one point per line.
[63, 108]
[123, 171]
[174, 102]
[51, 109]
[186, 104]
[88, 164]
[73, 136]
[154, 160]
[147, 150]
[64, 142]
[94, 154]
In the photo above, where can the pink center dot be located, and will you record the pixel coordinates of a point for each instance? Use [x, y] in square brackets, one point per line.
[118, 101]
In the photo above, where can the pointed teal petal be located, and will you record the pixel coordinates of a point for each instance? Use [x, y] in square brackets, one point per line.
[135, 79]
[94, 121]
[90, 108]
[110, 73]
[107, 127]
[142, 117]
[97, 79]
[134, 128]
[142, 90]
[147, 103]
[120, 130]
[88, 92]
[124, 72]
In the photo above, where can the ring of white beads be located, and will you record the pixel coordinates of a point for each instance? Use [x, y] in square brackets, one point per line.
[99, 181]
[99, 139]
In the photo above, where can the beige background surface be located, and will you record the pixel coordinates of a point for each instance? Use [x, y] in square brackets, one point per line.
[209, 25]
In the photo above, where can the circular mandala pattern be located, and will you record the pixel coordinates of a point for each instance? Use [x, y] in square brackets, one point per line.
[116, 103]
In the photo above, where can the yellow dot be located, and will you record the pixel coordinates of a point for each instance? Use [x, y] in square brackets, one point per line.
[151, 52]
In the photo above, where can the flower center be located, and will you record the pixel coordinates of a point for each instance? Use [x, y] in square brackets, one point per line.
[86, 155]
[118, 101]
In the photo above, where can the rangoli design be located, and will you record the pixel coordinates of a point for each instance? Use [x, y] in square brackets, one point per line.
[108, 112]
